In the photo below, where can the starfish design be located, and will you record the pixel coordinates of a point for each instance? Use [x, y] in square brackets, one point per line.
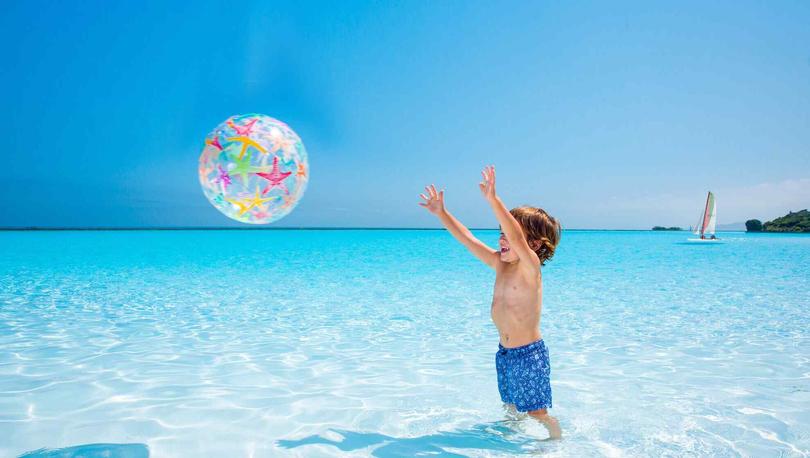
[243, 206]
[302, 171]
[243, 168]
[245, 141]
[208, 153]
[223, 177]
[206, 169]
[215, 142]
[258, 201]
[261, 213]
[280, 142]
[288, 200]
[275, 177]
[243, 130]
[254, 201]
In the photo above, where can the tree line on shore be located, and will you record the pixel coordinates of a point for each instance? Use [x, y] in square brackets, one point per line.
[792, 222]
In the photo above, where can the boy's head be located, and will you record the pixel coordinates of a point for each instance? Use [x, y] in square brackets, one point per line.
[541, 230]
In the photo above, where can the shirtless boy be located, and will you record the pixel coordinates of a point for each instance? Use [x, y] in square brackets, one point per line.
[528, 239]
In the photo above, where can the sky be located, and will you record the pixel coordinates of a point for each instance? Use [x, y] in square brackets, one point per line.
[613, 115]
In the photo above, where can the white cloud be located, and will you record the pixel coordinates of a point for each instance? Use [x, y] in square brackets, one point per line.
[766, 201]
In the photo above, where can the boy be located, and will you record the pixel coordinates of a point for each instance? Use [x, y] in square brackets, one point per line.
[529, 237]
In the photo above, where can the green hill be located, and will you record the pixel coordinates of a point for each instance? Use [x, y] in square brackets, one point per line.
[792, 222]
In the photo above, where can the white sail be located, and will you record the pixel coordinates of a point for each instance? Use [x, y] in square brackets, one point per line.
[712, 222]
[699, 225]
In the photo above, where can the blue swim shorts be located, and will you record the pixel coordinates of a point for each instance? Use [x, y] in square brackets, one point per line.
[523, 376]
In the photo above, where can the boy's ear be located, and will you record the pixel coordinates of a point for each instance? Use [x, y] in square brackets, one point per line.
[534, 244]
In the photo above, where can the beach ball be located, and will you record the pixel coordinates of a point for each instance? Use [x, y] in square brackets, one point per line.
[253, 168]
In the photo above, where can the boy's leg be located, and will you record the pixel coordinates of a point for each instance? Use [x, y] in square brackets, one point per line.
[551, 423]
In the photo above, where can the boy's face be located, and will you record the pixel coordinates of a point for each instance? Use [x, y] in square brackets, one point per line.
[507, 255]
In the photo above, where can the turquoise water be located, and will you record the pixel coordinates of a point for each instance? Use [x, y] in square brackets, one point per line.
[379, 343]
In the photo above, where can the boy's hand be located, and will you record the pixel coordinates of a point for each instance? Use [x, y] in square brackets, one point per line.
[434, 203]
[488, 185]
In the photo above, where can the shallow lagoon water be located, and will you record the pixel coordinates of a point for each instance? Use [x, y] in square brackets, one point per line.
[379, 343]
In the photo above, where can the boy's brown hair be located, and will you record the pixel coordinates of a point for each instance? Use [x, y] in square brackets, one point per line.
[540, 226]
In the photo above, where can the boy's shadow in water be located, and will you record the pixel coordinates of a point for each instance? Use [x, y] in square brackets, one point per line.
[499, 436]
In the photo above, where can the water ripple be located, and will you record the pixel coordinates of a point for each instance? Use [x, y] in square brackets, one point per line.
[366, 343]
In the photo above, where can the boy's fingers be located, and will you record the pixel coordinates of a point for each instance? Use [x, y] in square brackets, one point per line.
[422, 204]
[423, 196]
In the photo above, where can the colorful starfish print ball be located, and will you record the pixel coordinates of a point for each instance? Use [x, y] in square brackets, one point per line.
[254, 168]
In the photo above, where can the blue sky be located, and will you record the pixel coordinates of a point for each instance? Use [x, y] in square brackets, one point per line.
[610, 115]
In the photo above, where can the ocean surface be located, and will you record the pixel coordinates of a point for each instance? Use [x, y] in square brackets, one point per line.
[379, 343]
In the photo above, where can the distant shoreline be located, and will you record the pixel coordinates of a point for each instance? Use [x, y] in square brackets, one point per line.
[261, 228]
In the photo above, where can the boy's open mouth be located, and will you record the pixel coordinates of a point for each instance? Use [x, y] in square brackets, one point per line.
[504, 249]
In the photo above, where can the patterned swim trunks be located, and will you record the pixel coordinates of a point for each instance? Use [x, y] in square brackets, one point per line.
[523, 376]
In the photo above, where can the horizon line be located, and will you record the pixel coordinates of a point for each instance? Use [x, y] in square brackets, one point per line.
[276, 228]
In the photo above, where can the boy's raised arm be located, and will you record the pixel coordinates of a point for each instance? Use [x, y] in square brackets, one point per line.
[435, 204]
[509, 225]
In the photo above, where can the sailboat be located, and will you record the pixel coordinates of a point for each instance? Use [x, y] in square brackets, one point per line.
[707, 222]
